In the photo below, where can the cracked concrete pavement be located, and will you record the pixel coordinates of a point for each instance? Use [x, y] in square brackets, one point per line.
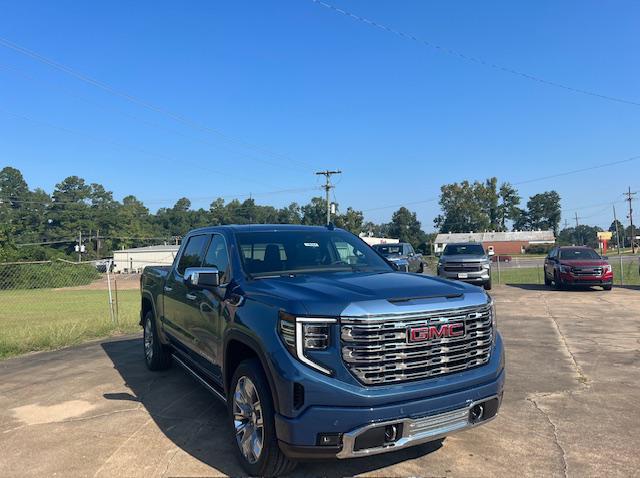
[571, 405]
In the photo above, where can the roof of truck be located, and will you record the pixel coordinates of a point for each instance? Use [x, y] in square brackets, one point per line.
[263, 228]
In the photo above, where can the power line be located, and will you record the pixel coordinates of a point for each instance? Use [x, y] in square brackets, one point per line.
[527, 181]
[143, 103]
[575, 171]
[472, 59]
[153, 124]
[125, 146]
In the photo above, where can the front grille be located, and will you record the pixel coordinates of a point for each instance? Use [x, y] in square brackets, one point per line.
[462, 266]
[377, 350]
[587, 271]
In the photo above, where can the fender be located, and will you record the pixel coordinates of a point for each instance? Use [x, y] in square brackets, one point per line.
[250, 342]
[159, 327]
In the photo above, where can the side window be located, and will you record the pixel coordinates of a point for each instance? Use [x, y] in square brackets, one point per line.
[193, 253]
[347, 253]
[552, 254]
[410, 249]
[218, 257]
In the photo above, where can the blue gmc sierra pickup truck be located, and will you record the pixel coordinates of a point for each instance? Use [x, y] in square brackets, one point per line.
[318, 346]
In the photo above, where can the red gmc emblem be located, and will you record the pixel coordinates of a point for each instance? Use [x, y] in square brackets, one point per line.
[421, 334]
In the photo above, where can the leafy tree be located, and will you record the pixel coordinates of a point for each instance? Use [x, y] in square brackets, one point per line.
[615, 230]
[406, 227]
[351, 220]
[583, 235]
[315, 213]
[544, 211]
[508, 208]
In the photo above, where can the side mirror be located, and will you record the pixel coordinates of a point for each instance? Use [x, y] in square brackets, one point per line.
[490, 253]
[605, 258]
[202, 277]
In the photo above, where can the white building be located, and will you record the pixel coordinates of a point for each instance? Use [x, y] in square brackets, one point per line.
[137, 258]
[515, 242]
[372, 241]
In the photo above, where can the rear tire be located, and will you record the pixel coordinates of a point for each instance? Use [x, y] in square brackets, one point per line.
[252, 414]
[156, 355]
[547, 281]
[421, 268]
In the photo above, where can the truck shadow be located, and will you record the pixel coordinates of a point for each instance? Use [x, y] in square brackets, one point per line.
[196, 421]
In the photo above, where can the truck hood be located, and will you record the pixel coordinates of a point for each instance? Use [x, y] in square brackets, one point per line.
[464, 258]
[333, 294]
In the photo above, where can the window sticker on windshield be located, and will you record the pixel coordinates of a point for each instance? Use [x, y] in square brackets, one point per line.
[311, 244]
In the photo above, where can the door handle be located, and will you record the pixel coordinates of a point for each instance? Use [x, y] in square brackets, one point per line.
[167, 288]
[191, 297]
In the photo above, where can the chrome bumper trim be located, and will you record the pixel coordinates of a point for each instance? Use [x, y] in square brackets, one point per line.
[415, 431]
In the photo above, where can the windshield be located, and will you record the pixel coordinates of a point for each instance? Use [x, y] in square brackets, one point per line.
[578, 254]
[290, 252]
[463, 249]
[388, 249]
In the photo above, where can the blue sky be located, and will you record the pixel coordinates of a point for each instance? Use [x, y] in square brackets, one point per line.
[273, 90]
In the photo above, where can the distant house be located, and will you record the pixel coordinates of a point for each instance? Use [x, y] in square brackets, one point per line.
[137, 258]
[499, 242]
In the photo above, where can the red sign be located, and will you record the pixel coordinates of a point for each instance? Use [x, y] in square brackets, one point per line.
[421, 334]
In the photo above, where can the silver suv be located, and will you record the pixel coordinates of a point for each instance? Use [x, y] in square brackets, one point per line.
[467, 262]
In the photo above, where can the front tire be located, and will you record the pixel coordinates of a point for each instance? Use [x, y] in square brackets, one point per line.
[252, 414]
[487, 285]
[156, 355]
[557, 282]
[607, 286]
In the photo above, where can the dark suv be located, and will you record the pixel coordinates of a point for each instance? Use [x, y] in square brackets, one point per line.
[402, 256]
[567, 266]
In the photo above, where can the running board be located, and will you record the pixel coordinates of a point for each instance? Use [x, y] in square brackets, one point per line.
[201, 380]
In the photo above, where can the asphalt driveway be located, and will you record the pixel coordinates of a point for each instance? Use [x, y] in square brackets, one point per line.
[571, 405]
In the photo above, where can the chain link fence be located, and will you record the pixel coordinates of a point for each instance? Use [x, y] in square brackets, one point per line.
[51, 304]
[524, 270]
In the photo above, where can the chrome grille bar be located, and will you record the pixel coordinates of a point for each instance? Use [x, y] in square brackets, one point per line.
[378, 352]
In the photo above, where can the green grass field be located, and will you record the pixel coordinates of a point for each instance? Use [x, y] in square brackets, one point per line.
[46, 319]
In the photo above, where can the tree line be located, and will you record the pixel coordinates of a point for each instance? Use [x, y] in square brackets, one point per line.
[36, 225]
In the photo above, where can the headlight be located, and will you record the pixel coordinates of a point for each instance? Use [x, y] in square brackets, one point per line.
[301, 334]
[565, 269]
[486, 266]
[606, 269]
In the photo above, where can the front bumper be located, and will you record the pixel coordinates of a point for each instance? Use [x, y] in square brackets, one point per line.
[473, 277]
[570, 279]
[423, 419]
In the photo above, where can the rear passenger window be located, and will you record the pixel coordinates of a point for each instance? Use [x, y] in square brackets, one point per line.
[193, 253]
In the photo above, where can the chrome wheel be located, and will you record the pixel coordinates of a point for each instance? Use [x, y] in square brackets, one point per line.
[247, 419]
[148, 341]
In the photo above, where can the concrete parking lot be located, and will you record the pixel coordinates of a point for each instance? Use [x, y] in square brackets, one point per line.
[571, 405]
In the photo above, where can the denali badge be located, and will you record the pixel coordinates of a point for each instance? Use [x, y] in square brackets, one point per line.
[421, 334]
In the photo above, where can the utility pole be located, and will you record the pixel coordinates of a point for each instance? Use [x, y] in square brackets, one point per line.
[576, 219]
[615, 221]
[629, 196]
[80, 246]
[327, 187]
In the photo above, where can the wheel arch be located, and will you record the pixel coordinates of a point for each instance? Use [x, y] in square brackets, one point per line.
[238, 347]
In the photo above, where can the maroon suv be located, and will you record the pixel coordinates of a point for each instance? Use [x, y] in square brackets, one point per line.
[566, 266]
